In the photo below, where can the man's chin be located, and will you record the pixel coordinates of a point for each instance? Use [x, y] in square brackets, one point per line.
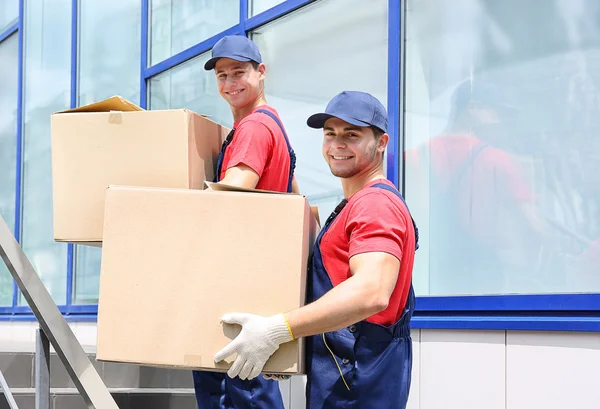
[342, 173]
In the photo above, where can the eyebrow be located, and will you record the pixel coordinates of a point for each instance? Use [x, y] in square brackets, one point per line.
[348, 128]
[237, 67]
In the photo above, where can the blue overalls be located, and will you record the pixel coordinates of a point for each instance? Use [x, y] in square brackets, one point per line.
[363, 366]
[216, 390]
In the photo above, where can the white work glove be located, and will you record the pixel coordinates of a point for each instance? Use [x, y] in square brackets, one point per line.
[259, 339]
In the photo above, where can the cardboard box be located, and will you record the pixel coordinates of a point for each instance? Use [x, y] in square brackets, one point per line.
[174, 261]
[116, 142]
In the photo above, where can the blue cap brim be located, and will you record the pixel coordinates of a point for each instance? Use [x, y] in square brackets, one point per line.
[210, 64]
[317, 121]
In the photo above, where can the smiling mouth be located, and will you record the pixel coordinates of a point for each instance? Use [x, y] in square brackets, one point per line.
[339, 157]
[234, 92]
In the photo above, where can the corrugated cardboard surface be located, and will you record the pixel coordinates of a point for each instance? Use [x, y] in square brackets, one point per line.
[91, 150]
[174, 261]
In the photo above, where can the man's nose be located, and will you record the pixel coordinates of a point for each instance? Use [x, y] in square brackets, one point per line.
[338, 143]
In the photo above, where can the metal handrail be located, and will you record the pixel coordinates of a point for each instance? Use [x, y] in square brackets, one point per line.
[58, 332]
[7, 393]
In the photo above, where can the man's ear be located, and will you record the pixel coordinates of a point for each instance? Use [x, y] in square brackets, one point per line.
[382, 142]
[262, 69]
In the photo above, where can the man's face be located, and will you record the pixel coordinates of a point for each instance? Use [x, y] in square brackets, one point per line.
[239, 82]
[351, 150]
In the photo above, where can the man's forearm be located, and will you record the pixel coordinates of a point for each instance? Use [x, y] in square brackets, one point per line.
[348, 303]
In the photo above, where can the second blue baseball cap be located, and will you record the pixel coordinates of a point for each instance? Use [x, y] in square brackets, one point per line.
[356, 108]
[236, 47]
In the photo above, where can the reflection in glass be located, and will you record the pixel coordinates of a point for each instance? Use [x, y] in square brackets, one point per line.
[258, 6]
[109, 56]
[9, 13]
[47, 64]
[179, 24]
[502, 153]
[8, 148]
[310, 58]
[190, 86]
[109, 50]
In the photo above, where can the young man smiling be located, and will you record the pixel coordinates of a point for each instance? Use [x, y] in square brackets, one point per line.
[359, 350]
[256, 154]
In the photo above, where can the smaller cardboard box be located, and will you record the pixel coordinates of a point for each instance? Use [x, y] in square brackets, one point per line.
[174, 261]
[116, 142]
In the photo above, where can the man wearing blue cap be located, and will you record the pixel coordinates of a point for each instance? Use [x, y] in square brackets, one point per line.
[360, 295]
[256, 154]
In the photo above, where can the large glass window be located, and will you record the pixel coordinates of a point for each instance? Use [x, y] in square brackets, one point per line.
[9, 12]
[179, 24]
[46, 90]
[8, 148]
[109, 50]
[502, 161]
[190, 86]
[258, 6]
[109, 56]
[311, 57]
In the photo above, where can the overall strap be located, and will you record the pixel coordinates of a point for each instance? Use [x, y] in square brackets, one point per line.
[395, 191]
[287, 141]
[226, 143]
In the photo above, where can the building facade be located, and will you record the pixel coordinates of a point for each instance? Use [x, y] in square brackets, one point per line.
[493, 110]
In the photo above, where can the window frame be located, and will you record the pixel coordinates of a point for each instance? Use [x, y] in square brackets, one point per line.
[548, 312]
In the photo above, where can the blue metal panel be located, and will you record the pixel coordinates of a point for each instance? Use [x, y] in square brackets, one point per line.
[31, 318]
[395, 109]
[243, 14]
[15, 310]
[74, 51]
[530, 323]
[73, 103]
[535, 302]
[190, 53]
[274, 13]
[144, 54]
[65, 309]
[79, 309]
[19, 155]
[9, 31]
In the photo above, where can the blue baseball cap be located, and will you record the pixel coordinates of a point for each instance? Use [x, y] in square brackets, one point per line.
[236, 47]
[356, 108]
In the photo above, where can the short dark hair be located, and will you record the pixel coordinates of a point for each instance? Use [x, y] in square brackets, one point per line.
[254, 64]
[378, 133]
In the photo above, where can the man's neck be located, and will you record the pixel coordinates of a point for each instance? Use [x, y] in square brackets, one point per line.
[239, 114]
[357, 182]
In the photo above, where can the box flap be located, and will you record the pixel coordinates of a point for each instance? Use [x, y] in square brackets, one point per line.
[220, 187]
[115, 103]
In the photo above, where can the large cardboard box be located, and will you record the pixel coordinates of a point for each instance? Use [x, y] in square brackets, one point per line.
[174, 261]
[116, 142]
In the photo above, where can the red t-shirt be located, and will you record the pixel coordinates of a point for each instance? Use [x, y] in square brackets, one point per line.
[259, 143]
[373, 220]
[482, 185]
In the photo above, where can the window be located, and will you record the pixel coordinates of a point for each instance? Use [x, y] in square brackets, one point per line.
[311, 57]
[177, 25]
[258, 6]
[9, 13]
[46, 90]
[190, 86]
[109, 50]
[109, 55]
[8, 148]
[502, 144]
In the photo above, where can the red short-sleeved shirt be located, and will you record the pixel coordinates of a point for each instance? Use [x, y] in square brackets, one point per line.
[259, 143]
[482, 185]
[373, 220]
